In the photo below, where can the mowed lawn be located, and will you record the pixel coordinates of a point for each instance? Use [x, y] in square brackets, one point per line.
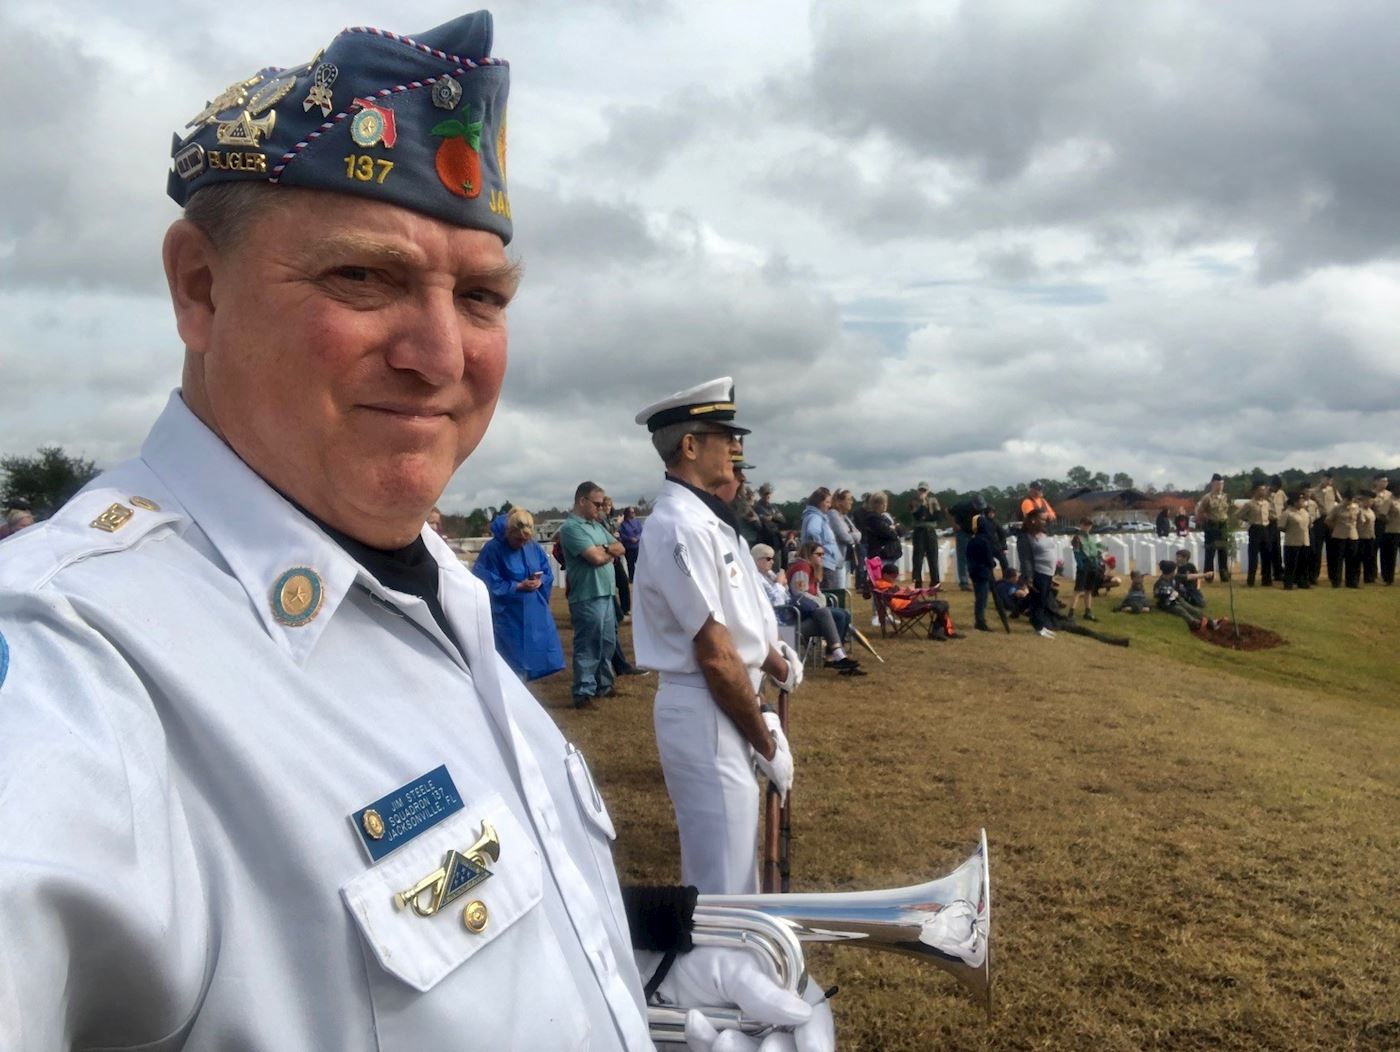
[1191, 848]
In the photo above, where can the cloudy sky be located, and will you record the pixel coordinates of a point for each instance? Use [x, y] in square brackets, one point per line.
[964, 242]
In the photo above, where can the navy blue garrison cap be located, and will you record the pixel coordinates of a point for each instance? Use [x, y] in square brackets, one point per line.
[418, 122]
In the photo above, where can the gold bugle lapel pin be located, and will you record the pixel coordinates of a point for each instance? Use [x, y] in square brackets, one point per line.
[459, 873]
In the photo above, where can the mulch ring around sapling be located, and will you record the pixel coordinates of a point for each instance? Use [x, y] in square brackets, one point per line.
[1240, 636]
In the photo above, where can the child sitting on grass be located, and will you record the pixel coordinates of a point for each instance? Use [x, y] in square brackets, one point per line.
[1188, 579]
[1169, 599]
[1012, 590]
[1136, 601]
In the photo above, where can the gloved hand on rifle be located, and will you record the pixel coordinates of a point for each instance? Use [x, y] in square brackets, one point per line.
[777, 769]
[793, 679]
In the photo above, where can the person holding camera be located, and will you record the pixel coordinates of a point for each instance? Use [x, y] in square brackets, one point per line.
[926, 513]
[516, 572]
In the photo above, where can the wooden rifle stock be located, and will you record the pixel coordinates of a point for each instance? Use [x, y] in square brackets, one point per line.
[777, 825]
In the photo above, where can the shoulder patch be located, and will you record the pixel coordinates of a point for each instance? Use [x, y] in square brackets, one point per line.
[682, 556]
[4, 658]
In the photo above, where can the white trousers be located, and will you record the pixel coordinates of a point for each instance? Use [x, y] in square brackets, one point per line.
[709, 773]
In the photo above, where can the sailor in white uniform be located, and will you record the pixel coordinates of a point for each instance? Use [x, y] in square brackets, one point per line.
[264, 783]
[701, 619]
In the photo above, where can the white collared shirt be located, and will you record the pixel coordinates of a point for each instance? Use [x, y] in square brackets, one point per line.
[691, 567]
[178, 769]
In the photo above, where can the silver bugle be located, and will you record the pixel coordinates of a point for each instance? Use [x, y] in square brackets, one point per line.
[946, 922]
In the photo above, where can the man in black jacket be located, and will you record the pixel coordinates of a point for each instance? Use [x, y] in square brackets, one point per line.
[926, 512]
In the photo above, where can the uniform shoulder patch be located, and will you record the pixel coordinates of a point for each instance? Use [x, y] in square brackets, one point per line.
[4, 658]
[682, 556]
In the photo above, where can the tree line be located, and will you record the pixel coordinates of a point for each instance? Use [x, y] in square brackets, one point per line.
[44, 481]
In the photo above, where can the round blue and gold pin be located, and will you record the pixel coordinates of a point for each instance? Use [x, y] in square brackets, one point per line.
[296, 597]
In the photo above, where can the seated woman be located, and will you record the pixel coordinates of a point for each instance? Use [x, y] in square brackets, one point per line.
[516, 572]
[804, 578]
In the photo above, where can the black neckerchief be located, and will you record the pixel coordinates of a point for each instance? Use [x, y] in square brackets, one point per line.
[410, 569]
[722, 511]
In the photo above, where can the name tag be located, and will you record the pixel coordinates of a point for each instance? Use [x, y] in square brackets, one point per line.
[393, 820]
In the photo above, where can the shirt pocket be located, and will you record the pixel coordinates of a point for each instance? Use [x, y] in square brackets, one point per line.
[421, 950]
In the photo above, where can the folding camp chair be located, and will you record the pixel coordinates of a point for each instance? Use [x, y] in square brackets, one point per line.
[901, 610]
[791, 634]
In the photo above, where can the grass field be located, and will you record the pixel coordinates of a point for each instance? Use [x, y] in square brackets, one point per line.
[1191, 848]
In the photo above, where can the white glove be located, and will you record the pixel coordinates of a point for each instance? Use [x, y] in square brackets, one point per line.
[794, 665]
[716, 976]
[778, 770]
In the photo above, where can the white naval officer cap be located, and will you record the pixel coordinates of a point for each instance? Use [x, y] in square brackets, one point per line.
[710, 403]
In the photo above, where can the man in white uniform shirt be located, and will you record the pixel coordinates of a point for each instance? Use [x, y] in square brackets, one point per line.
[264, 782]
[701, 619]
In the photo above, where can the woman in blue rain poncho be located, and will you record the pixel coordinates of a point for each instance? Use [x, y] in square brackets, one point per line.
[515, 570]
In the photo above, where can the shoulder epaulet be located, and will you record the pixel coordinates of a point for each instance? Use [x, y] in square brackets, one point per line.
[104, 518]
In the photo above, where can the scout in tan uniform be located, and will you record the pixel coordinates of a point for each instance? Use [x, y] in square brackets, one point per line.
[1327, 498]
[1297, 552]
[1366, 538]
[1387, 508]
[1213, 512]
[1278, 500]
[1256, 514]
[1343, 523]
[1314, 510]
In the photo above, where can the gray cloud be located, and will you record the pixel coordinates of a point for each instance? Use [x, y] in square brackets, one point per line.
[1272, 123]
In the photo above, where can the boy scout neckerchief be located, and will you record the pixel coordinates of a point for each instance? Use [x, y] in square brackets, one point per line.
[722, 510]
[411, 570]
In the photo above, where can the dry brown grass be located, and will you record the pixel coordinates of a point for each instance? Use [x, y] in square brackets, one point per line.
[1188, 852]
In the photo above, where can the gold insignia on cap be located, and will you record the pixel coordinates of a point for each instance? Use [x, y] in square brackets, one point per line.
[374, 825]
[234, 95]
[144, 502]
[296, 597]
[244, 130]
[113, 519]
[474, 916]
[270, 94]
